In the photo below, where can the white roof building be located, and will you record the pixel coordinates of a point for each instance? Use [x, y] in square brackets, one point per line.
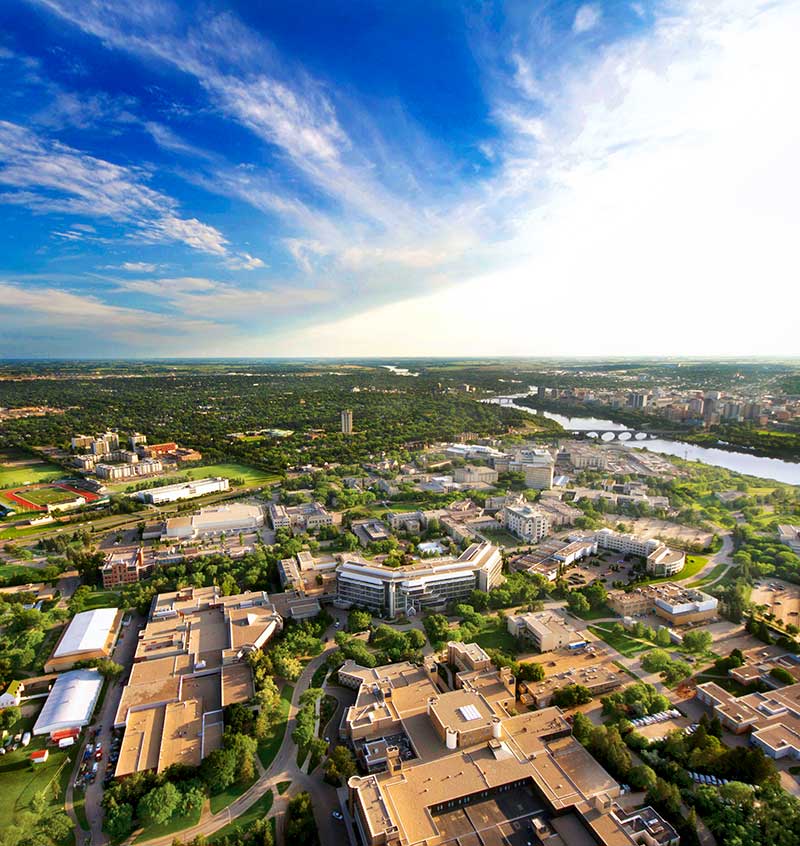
[71, 701]
[88, 631]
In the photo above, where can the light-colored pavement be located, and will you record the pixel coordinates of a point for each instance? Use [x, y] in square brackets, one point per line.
[283, 768]
[123, 654]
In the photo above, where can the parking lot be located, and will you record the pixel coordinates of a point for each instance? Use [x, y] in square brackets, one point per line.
[662, 727]
[781, 598]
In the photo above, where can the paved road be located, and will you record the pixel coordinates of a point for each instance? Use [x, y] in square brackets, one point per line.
[283, 768]
[123, 654]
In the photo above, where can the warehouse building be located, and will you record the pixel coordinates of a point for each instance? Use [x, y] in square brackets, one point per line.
[89, 635]
[217, 520]
[71, 702]
[184, 490]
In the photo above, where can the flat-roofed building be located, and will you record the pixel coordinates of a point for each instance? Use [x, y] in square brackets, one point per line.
[369, 531]
[71, 701]
[475, 473]
[89, 635]
[660, 559]
[125, 568]
[426, 584]
[524, 520]
[675, 603]
[189, 664]
[471, 764]
[184, 490]
[217, 520]
[790, 535]
[545, 630]
[279, 516]
[772, 718]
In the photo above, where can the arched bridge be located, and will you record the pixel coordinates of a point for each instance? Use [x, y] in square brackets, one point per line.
[615, 434]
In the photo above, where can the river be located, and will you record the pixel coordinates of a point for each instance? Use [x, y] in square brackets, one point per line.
[787, 472]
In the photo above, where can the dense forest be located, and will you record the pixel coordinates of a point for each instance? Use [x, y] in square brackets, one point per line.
[202, 409]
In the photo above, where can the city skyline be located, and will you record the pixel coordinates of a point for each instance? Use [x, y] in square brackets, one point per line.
[187, 180]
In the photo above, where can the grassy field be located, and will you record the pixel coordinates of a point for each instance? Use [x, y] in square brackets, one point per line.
[102, 599]
[172, 826]
[258, 810]
[716, 572]
[13, 472]
[625, 645]
[502, 538]
[283, 786]
[251, 475]
[234, 791]
[602, 612]
[495, 635]
[694, 564]
[12, 571]
[268, 748]
[22, 781]
[47, 496]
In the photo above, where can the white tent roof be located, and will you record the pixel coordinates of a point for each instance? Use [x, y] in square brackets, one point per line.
[87, 632]
[71, 701]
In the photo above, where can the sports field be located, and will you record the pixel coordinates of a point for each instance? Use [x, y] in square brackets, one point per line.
[22, 468]
[251, 476]
[46, 496]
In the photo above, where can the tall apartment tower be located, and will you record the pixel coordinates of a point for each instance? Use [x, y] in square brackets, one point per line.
[347, 421]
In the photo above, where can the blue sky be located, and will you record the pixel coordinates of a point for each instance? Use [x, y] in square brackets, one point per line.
[375, 178]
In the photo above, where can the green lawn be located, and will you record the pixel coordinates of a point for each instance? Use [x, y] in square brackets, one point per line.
[718, 570]
[22, 781]
[268, 748]
[79, 806]
[12, 571]
[502, 538]
[32, 473]
[47, 496]
[102, 599]
[625, 645]
[172, 826]
[234, 791]
[283, 786]
[258, 810]
[599, 613]
[251, 475]
[694, 564]
[725, 682]
[495, 635]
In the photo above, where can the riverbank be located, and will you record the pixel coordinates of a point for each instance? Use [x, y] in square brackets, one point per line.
[746, 463]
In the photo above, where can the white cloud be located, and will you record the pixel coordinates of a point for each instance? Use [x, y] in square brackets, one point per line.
[244, 261]
[586, 18]
[52, 177]
[135, 267]
[645, 217]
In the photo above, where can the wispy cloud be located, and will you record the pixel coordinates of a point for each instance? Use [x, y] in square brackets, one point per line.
[52, 177]
[587, 17]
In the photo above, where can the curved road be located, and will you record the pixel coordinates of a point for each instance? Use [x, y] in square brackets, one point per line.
[283, 768]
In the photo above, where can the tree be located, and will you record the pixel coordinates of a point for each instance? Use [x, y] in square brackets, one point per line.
[358, 621]
[159, 805]
[300, 826]
[119, 820]
[340, 765]
[530, 671]
[218, 770]
[571, 695]
[697, 640]
[577, 602]
[662, 636]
